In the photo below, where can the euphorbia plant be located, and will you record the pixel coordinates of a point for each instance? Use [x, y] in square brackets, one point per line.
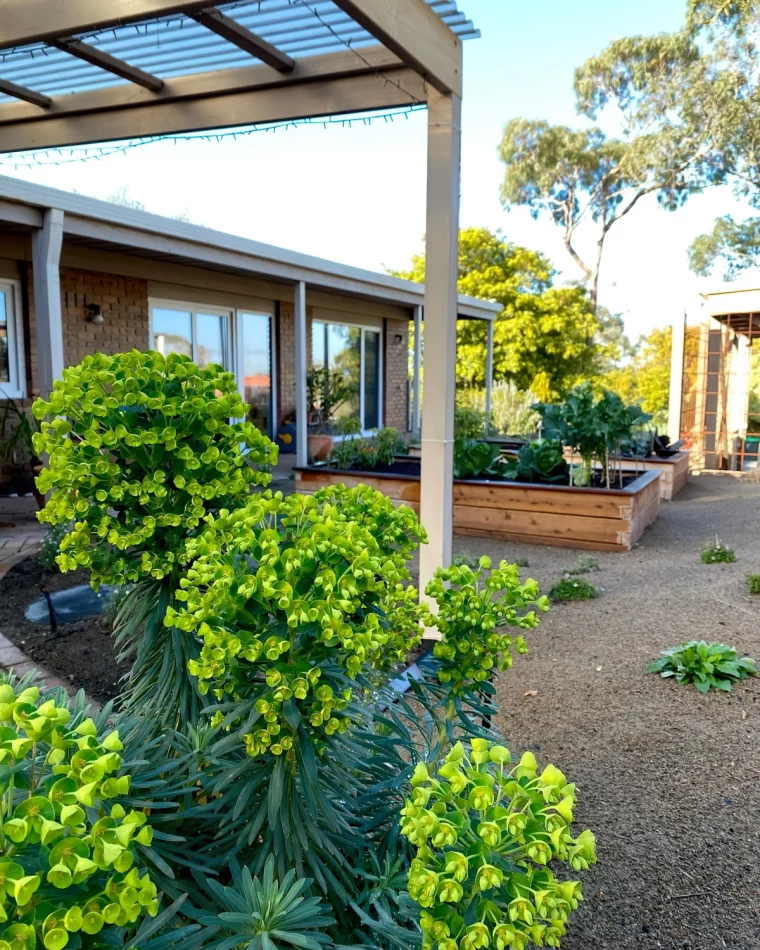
[142, 449]
[485, 830]
[67, 872]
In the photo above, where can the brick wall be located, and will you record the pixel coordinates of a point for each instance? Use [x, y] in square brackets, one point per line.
[395, 384]
[123, 303]
[286, 358]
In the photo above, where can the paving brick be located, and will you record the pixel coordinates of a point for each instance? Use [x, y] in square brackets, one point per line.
[11, 655]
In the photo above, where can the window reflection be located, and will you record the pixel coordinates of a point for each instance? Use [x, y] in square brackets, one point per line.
[257, 369]
[339, 348]
[173, 331]
[5, 363]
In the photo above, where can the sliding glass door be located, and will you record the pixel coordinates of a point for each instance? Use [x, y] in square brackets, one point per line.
[257, 369]
[355, 353]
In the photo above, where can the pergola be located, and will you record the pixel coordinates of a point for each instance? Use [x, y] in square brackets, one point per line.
[85, 71]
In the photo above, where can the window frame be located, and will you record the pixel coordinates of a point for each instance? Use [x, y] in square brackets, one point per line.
[379, 331]
[15, 388]
[185, 306]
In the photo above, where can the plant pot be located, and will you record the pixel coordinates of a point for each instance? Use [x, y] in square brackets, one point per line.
[318, 447]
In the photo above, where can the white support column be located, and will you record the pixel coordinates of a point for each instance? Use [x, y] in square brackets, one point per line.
[676, 378]
[299, 320]
[46, 275]
[489, 374]
[437, 467]
[417, 375]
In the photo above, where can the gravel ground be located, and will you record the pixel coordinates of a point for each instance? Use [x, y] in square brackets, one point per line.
[668, 779]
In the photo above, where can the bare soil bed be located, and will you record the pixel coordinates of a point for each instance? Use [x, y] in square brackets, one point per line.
[81, 652]
[668, 779]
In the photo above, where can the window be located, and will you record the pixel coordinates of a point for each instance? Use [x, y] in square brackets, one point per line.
[12, 372]
[203, 334]
[256, 371]
[356, 353]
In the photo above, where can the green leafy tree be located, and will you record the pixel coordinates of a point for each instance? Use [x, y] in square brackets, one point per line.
[546, 339]
[695, 92]
[581, 176]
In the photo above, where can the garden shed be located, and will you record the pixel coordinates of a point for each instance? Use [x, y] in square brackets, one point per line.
[93, 71]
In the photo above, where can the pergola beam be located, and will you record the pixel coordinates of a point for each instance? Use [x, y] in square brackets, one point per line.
[32, 21]
[28, 95]
[243, 38]
[202, 85]
[97, 57]
[416, 34]
[333, 96]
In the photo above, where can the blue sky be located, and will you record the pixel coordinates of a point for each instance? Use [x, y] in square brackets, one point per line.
[357, 194]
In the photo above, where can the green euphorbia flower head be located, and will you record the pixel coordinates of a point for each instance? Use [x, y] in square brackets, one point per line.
[66, 846]
[287, 596]
[141, 449]
[488, 885]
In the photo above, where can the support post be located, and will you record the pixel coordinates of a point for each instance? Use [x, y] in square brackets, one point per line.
[46, 276]
[417, 375]
[437, 465]
[302, 409]
[489, 374]
[675, 398]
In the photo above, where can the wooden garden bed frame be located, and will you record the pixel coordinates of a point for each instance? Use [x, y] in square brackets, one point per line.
[595, 519]
[674, 470]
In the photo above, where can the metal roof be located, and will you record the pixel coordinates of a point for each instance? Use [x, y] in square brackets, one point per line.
[101, 224]
[177, 45]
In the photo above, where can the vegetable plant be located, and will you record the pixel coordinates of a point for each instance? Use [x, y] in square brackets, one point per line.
[569, 589]
[541, 461]
[716, 552]
[474, 459]
[706, 665]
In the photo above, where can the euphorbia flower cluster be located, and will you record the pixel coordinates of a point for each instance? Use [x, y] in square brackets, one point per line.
[66, 859]
[485, 830]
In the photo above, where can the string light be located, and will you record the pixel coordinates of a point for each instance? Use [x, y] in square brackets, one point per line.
[55, 156]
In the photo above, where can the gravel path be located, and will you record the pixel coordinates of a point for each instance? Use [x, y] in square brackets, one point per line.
[669, 780]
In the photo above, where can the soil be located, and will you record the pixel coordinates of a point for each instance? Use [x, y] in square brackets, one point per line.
[81, 652]
[668, 779]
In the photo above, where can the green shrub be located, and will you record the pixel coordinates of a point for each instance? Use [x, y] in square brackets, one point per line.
[367, 453]
[484, 829]
[469, 423]
[586, 564]
[511, 409]
[716, 552]
[260, 724]
[50, 548]
[706, 665]
[753, 583]
[568, 589]
[67, 846]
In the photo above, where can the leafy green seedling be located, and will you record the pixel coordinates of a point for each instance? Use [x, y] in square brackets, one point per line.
[568, 589]
[586, 564]
[716, 552]
[753, 583]
[706, 665]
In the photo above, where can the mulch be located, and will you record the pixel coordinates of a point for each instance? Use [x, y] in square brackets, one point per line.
[81, 653]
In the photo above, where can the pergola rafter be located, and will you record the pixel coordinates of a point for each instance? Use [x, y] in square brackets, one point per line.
[390, 53]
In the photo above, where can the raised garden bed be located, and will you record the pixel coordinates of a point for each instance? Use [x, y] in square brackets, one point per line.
[596, 519]
[673, 469]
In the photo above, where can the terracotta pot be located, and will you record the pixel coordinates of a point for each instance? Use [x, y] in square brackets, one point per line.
[318, 447]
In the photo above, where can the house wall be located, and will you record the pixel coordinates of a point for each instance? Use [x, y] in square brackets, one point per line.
[123, 285]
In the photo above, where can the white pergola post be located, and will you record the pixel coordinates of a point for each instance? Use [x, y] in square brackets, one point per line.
[676, 378]
[489, 374]
[299, 320]
[437, 466]
[46, 276]
[417, 376]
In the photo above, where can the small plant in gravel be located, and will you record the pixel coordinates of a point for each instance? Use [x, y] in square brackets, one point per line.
[586, 564]
[706, 665]
[485, 830]
[753, 583]
[568, 589]
[716, 552]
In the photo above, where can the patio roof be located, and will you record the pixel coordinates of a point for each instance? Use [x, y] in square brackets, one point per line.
[100, 224]
[89, 70]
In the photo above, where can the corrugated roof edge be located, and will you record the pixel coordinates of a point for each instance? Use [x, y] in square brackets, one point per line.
[44, 197]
